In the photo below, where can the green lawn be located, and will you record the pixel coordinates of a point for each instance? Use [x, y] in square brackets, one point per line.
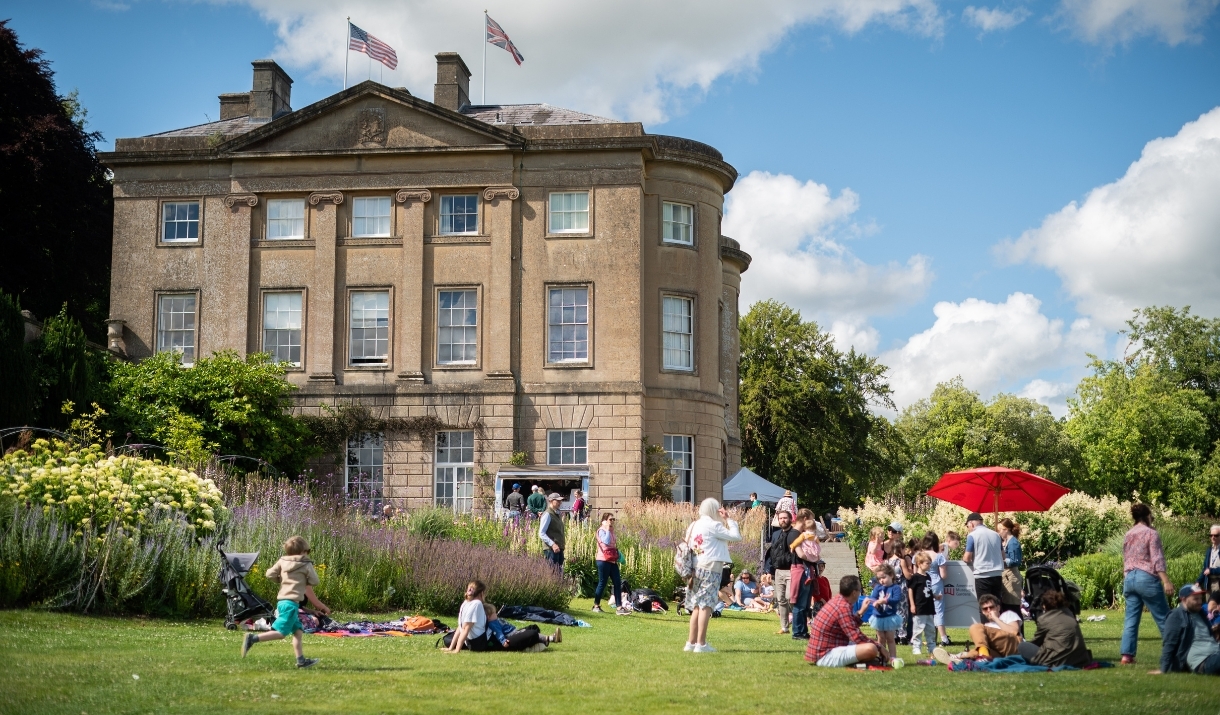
[52, 663]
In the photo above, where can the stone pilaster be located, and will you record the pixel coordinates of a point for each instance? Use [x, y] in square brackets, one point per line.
[324, 230]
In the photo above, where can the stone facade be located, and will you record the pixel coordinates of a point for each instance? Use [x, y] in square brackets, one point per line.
[227, 266]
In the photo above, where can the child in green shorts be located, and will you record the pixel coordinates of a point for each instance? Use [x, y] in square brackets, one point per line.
[295, 574]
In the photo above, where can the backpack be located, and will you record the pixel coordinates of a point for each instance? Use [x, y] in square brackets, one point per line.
[685, 557]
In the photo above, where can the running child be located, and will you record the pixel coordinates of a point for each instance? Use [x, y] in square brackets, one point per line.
[295, 574]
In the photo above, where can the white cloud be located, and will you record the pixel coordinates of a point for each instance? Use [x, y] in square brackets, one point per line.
[632, 58]
[991, 19]
[1150, 238]
[1109, 21]
[856, 334]
[993, 346]
[1052, 394]
[790, 228]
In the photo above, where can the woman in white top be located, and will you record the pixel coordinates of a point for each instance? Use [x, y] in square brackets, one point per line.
[472, 621]
[709, 538]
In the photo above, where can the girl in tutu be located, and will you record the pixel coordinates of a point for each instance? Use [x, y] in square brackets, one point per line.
[886, 600]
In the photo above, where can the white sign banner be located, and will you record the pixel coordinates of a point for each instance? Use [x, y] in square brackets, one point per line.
[961, 602]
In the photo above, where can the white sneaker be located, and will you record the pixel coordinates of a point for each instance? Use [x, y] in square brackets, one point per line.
[689, 647]
[705, 648]
[942, 656]
[916, 651]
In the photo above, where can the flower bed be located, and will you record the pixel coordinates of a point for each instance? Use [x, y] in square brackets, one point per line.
[87, 487]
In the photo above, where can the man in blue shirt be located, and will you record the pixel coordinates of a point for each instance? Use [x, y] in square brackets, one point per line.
[985, 552]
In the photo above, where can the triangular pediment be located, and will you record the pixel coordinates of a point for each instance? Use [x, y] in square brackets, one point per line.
[370, 117]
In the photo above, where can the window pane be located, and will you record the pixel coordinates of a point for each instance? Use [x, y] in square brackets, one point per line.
[180, 221]
[677, 333]
[680, 451]
[460, 214]
[457, 321]
[282, 327]
[569, 212]
[371, 216]
[677, 222]
[568, 325]
[363, 475]
[369, 341]
[286, 218]
[567, 447]
[454, 486]
[176, 325]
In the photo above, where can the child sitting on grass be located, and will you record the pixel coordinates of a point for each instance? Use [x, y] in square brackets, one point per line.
[295, 574]
[503, 632]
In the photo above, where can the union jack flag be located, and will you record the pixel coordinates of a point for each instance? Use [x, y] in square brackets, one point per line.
[361, 41]
[498, 37]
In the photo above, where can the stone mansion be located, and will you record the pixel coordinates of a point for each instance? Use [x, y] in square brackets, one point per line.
[536, 279]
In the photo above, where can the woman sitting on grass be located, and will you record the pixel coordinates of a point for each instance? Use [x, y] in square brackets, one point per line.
[474, 634]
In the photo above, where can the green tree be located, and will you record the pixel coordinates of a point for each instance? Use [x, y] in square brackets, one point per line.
[1138, 431]
[954, 429]
[16, 383]
[807, 421]
[66, 370]
[55, 229]
[222, 404]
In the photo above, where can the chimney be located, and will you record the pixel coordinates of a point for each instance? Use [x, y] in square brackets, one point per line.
[452, 90]
[272, 91]
[234, 105]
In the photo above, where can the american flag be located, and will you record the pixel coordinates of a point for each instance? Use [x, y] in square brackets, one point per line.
[498, 37]
[361, 41]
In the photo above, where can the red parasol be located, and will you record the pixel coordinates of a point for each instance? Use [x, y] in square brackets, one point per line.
[997, 489]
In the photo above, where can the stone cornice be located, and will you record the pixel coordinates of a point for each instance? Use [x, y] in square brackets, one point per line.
[405, 195]
[250, 200]
[730, 250]
[493, 192]
[317, 197]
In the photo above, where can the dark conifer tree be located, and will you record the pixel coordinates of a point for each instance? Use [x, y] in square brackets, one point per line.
[55, 229]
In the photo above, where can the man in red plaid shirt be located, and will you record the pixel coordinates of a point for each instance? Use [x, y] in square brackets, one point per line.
[835, 639]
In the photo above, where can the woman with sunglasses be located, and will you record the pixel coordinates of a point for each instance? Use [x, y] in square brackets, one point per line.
[607, 566]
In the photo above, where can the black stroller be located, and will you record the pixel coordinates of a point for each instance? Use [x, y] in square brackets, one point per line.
[242, 603]
[1039, 580]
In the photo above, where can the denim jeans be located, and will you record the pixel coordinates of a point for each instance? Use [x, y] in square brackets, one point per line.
[556, 559]
[1140, 589]
[608, 571]
[1211, 666]
[800, 611]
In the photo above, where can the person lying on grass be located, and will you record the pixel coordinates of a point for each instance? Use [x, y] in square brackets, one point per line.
[295, 574]
[513, 638]
[835, 639]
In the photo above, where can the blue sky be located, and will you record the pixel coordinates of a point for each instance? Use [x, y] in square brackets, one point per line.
[898, 145]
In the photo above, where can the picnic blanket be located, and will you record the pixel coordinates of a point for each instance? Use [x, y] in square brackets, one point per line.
[537, 614]
[1015, 664]
[409, 626]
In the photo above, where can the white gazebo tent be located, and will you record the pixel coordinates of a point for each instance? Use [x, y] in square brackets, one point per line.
[740, 485]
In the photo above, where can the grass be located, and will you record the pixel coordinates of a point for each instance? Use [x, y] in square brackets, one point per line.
[58, 663]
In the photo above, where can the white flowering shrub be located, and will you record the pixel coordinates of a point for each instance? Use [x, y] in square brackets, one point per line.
[1077, 524]
[86, 487]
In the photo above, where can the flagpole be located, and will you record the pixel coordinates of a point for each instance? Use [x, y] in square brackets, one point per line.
[484, 57]
[347, 53]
